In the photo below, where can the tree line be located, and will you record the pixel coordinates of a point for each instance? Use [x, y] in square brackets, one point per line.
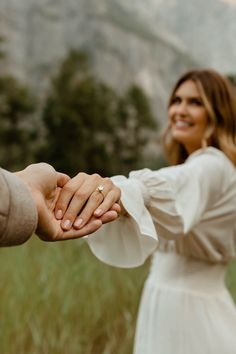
[84, 125]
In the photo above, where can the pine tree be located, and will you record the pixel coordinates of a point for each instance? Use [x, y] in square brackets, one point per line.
[17, 131]
[135, 122]
[88, 127]
[78, 119]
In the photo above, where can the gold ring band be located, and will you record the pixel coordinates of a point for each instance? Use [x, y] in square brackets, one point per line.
[100, 189]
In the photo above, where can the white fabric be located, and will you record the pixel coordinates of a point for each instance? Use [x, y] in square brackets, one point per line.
[120, 250]
[193, 204]
[188, 212]
[185, 309]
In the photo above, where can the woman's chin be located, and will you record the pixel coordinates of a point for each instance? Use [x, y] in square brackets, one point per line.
[180, 137]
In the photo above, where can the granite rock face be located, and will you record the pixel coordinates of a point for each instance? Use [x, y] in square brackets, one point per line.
[207, 28]
[126, 42]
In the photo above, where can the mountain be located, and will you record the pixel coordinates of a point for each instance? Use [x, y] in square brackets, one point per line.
[207, 28]
[127, 43]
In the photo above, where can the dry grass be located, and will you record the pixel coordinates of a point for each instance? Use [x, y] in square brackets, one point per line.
[58, 299]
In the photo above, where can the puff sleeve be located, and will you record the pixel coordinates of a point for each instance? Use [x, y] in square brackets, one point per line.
[167, 203]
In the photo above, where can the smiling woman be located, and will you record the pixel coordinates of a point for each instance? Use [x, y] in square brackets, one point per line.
[204, 104]
[185, 217]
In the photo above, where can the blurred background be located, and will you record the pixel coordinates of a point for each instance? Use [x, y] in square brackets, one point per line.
[84, 86]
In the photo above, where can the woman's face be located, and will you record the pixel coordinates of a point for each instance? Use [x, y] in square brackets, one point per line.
[188, 117]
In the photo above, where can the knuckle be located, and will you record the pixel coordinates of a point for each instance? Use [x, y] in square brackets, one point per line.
[68, 189]
[68, 215]
[81, 176]
[108, 181]
[85, 216]
[96, 177]
[96, 197]
[80, 195]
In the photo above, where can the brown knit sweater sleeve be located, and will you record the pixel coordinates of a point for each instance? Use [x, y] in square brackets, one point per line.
[18, 214]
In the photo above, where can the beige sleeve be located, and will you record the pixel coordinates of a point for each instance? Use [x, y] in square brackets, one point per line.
[18, 214]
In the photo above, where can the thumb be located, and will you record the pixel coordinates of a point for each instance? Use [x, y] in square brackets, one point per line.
[62, 179]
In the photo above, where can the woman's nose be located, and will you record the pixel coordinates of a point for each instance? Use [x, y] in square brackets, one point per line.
[182, 108]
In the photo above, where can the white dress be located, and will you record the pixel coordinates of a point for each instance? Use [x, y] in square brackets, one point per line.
[185, 216]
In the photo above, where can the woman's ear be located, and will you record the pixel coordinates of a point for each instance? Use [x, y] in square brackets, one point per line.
[207, 136]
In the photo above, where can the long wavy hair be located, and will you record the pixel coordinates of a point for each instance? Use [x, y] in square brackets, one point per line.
[219, 99]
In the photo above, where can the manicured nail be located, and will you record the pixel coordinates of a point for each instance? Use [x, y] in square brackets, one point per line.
[59, 214]
[98, 212]
[66, 224]
[78, 222]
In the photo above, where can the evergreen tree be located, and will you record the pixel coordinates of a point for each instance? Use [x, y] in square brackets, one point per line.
[78, 119]
[135, 122]
[17, 131]
[88, 127]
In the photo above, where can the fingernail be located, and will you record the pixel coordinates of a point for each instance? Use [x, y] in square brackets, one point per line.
[78, 222]
[66, 224]
[59, 214]
[98, 212]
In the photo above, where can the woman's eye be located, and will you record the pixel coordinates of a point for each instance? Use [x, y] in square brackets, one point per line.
[196, 101]
[175, 100]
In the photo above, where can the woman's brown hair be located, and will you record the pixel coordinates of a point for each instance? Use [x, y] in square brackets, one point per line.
[219, 98]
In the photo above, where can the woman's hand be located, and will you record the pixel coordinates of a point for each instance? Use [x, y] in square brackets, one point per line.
[45, 185]
[86, 196]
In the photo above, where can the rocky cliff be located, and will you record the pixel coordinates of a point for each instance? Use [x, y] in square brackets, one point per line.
[124, 45]
[207, 28]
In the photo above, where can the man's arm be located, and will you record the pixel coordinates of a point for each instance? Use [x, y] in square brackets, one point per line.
[18, 213]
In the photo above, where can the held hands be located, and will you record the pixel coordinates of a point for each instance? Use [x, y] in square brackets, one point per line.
[86, 197]
[52, 189]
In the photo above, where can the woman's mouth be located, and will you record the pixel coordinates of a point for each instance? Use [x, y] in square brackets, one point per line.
[183, 124]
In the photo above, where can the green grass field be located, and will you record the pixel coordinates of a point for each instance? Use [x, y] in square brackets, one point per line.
[58, 299]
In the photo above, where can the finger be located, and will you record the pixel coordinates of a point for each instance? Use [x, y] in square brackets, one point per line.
[109, 216]
[98, 193]
[116, 207]
[40, 167]
[62, 179]
[82, 219]
[94, 201]
[92, 226]
[67, 193]
[85, 200]
[111, 198]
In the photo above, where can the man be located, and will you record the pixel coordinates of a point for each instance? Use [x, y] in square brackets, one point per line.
[27, 200]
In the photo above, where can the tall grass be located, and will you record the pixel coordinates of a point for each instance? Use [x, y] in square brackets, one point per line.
[58, 299]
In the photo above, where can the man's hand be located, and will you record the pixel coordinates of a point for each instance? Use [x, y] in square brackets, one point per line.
[45, 185]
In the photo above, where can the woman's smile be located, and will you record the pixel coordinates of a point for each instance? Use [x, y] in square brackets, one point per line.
[188, 116]
[182, 124]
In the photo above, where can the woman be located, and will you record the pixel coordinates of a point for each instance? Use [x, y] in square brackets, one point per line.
[185, 216]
